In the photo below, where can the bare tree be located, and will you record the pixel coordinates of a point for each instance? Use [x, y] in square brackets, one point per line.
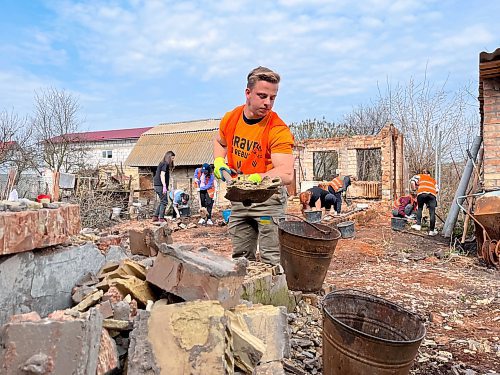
[56, 124]
[420, 108]
[313, 128]
[16, 142]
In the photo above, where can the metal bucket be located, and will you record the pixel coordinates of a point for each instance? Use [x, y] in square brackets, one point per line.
[366, 334]
[306, 253]
[346, 229]
[398, 223]
[313, 216]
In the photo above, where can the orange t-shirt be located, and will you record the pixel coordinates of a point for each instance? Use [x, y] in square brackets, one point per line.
[247, 139]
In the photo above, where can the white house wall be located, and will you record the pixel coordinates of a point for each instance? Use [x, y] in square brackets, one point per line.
[120, 150]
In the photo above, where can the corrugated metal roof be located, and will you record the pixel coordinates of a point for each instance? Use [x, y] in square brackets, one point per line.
[191, 147]
[185, 127]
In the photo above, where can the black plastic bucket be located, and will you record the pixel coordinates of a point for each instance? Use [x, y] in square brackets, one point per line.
[346, 229]
[366, 334]
[306, 253]
[398, 223]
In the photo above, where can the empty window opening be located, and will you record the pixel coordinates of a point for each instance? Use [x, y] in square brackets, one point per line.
[325, 164]
[369, 163]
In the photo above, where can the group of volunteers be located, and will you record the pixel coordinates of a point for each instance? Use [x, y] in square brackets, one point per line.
[254, 142]
[423, 192]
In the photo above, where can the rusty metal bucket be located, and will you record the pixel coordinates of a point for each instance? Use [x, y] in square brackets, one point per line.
[313, 216]
[366, 334]
[306, 253]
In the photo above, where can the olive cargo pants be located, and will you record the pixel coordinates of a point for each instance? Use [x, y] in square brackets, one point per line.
[257, 224]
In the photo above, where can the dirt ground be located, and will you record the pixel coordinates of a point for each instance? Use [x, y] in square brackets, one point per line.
[456, 295]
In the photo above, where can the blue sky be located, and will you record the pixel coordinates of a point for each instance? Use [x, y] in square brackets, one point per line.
[139, 63]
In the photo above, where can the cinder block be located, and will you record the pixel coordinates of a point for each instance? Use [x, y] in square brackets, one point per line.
[198, 274]
[58, 347]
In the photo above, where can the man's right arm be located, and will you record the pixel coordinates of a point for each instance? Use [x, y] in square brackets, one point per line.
[220, 147]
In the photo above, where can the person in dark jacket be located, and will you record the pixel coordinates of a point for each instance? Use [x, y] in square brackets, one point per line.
[316, 198]
[161, 181]
[337, 187]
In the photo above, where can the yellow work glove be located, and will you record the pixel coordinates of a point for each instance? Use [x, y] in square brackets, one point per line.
[255, 177]
[219, 166]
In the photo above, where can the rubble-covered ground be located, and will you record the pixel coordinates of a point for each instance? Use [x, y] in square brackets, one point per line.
[456, 295]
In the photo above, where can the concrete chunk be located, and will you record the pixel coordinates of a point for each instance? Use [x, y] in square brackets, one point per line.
[263, 285]
[247, 349]
[148, 240]
[198, 274]
[270, 324]
[61, 347]
[42, 281]
[184, 338]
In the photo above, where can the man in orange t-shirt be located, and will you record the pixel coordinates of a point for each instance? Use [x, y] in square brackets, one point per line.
[257, 143]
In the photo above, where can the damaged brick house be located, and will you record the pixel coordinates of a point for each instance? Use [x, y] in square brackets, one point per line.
[376, 160]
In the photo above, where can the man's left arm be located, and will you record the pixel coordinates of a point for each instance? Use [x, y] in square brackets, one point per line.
[282, 168]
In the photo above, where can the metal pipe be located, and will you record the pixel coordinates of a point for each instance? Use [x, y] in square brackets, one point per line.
[451, 219]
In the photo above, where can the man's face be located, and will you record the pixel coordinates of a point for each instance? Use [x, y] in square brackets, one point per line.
[260, 99]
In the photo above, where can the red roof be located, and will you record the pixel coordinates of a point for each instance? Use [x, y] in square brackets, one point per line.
[105, 135]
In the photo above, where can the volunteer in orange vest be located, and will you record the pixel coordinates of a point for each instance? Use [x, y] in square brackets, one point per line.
[256, 143]
[337, 186]
[427, 191]
[203, 180]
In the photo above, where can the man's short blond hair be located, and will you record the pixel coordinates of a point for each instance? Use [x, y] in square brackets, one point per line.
[262, 73]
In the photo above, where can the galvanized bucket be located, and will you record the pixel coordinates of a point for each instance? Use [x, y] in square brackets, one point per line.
[313, 216]
[346, 229]
[306, 253]
[366, 334]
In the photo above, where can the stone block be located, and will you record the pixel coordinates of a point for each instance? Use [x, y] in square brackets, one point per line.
[147, 241]
[270, 324]
[106, 309]
[42, 281]
[183, 338]
[247, 349]
[104, 243]
[58, 347]
[34, 229]
[262, 285]
[198, 274]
